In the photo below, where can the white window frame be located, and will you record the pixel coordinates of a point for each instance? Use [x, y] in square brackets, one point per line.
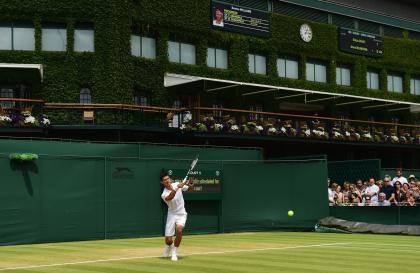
[216, 62]
[141, 47]
[180, 53]
[13, 44]
[91, 47]
[369, 75]
[252, 58]
[287, 74]
[316, 64]
[391, 81]
[339, 75]
[415, 85]
[54, 28]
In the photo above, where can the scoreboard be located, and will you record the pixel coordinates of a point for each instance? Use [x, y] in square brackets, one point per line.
[206, 182]
[362, 43]
[239, 19]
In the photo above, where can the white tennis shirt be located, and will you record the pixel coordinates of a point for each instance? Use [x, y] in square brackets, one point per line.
[177, 204]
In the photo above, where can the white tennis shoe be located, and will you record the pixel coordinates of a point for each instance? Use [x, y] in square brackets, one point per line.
[174, 257]
[167, 252]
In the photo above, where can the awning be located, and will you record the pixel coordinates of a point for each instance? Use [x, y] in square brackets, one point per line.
[38, 68]
[292, 95]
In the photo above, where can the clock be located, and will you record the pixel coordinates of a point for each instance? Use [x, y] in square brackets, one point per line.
[306, 33]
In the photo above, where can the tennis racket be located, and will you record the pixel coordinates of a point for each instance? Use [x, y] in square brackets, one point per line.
[193, 163]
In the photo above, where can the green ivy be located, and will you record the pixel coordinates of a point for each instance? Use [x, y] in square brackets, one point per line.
[112, 73]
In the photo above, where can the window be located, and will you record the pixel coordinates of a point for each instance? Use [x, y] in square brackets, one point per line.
[316, 72]
[395, 83]
[7, 93]
[288, 68]
[415, 86]
[217, 113]
[181, 52]
[217, 58]
[140, 98]
[54, 39]
[256, 108]
[256, 64]
[17, 37]
[343, 75]
[143, 46]
[84, 40]
[372, 79]
[85, 97]
[177, 104]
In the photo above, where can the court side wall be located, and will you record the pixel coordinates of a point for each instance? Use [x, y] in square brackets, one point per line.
[80, 197]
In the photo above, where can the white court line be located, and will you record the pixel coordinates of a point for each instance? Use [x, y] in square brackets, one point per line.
[191, 254]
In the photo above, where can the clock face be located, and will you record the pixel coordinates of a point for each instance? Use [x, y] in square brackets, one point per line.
[306, 33]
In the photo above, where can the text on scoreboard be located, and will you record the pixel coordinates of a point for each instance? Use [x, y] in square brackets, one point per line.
[356, 42]
[240, 19]
[205, 181]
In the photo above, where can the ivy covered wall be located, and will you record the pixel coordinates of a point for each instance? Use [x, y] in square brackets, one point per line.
[112, 73]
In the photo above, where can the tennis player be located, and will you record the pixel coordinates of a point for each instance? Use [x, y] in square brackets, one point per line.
[177, 216]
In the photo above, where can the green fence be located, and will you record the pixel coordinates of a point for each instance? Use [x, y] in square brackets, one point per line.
[66, 198]
[406, 172]
[352, 170]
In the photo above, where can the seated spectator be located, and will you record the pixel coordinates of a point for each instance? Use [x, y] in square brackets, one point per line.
[368, 202]
[346, 201]
[399, 196]
[338, 198]
[387, 188]
[405, 187]
[399, 177]
[359, 185]
[379, 183]
[382, 202]
[346, 186]
[412, 178]
[411, 201]
[354, 194]
[331, 194]
[372, 190]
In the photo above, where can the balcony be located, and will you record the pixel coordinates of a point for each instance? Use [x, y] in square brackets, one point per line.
[19, 115]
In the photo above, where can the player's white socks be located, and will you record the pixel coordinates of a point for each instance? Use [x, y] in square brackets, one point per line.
[174, 254]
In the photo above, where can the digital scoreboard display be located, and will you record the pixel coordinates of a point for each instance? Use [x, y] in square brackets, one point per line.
[239, 19]
[205, 181]
[362, 43]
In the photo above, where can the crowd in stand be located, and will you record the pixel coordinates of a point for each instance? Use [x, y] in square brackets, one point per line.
[397, 191]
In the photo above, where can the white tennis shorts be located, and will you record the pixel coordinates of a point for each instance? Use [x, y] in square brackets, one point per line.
[172, 220]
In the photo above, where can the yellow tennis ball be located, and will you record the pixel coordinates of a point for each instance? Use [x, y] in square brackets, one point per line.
[290, 213]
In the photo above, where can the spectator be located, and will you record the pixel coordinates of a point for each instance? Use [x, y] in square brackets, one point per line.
[382, 202]
[355, 193]
[405, 188]
[399, 177]
[338, 194]
[399, 196]
[379, 183]
[412, 178]
[372, 190]
[346, 201]
[411, 201]
[330, 193]
[387, 188]
[369, 202]
[346, 186]
[359, 185]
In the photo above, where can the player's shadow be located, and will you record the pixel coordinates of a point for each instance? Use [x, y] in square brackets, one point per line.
[26, 168]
